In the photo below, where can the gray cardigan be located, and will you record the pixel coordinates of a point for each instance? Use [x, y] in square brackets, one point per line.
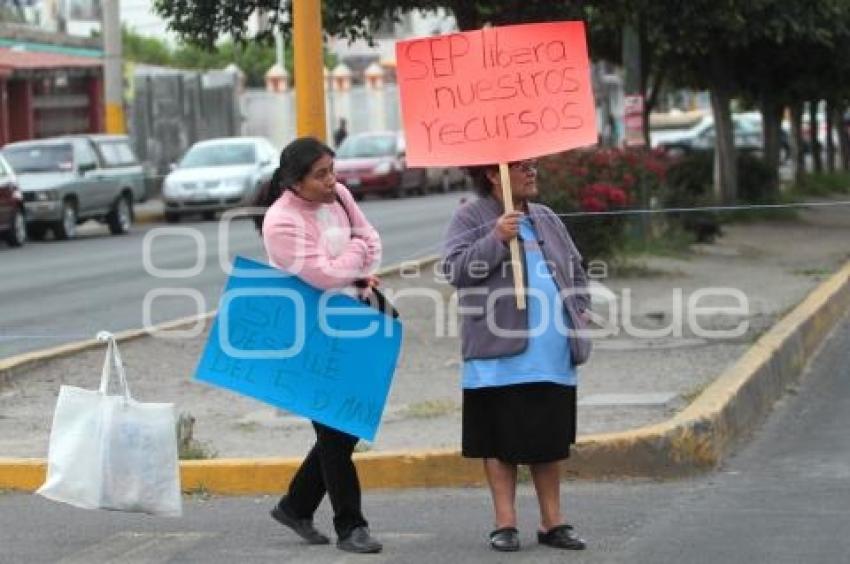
[478, 263]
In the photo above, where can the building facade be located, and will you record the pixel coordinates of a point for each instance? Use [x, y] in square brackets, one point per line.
[50, 84]
[46, 94]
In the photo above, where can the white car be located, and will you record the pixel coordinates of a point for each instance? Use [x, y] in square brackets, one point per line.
[216, 175]
[702, 136]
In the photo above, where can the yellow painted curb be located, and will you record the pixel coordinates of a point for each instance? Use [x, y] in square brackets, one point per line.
[435, 468]
[695, 439]
[25, 474]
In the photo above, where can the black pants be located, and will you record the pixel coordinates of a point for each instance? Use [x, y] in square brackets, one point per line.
[327, 468]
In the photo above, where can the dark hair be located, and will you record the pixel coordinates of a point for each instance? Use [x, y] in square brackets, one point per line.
[296, 160]
[480, 183]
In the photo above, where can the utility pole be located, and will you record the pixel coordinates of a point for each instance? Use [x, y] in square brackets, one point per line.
[113, 76]
[635, 124]
[309, 68]
[634, 102]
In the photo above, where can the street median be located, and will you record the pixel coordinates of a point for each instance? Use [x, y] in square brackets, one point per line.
[695, 439]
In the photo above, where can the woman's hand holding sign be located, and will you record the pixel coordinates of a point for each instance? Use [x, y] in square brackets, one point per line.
[507, 226]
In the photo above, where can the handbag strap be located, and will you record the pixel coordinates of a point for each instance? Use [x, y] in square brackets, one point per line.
[377, 299]
[113, 357]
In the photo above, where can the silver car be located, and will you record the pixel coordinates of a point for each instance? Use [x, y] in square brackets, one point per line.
[216, 175]
[68, 180]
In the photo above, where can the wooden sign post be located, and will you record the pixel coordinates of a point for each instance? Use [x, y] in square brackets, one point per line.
[516, 258]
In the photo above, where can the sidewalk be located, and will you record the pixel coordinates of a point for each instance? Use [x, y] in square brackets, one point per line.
[628, 383]
[149, 211]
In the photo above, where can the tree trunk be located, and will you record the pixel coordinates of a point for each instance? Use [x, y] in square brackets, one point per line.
[771, 119]
[830, 142]
[843, 137]
[726, 178]
[814, 126]
[798, 155]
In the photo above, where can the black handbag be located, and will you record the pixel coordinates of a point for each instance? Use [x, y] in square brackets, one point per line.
[378, 300]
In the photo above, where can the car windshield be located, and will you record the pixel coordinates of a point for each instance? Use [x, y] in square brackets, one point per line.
[40, 158]
[219, 155]
[366, 146]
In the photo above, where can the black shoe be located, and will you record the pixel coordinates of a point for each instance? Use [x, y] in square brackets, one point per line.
[360, 541]
[303, 527]
[505, 539]
[561, 536]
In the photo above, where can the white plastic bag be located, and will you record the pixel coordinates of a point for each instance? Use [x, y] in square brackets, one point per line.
[112, 452]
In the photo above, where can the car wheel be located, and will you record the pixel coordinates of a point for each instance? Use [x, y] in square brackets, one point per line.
[121, 217]
[66, 228]
[171, 217]
[17, 234]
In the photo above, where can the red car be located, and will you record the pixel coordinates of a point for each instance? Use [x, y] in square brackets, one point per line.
[373, 163]
[13, 227]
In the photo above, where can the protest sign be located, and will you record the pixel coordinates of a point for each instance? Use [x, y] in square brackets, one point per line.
[323, 355]
[496, 95]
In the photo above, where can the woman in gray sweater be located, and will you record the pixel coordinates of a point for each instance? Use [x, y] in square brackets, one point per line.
[519, 371]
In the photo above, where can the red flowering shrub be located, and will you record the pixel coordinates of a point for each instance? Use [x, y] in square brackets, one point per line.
[582, 183]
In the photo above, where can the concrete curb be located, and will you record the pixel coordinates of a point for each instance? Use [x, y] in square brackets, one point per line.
[695, 439]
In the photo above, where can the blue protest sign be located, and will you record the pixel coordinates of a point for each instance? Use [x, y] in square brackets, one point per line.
[323, 355]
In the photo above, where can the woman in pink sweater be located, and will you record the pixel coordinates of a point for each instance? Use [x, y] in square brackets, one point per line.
[314, 229]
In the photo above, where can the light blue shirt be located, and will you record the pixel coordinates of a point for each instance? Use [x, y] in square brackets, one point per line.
[547, 357]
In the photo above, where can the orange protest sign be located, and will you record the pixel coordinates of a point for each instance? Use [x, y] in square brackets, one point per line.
[496, 95]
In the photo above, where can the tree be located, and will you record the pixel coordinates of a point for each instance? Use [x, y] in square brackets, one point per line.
[759, 48]
[146, 50]
[202, 22]
[252, 58]
[799, 56]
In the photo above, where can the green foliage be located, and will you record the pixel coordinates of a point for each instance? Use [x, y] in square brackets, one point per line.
[757, 182]
[146, 50]
[690, 185]
[253, 59]
[823, 184]
[689, 181]
[202, 22]
[586, 184]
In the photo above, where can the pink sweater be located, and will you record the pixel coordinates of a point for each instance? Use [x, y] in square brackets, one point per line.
[315, 241]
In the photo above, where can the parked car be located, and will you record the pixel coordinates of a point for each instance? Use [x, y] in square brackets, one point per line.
[12, 215]
[702, 136]
[66, 181]
[216, 175]
[119, 160]
[754, 120]
[374, 163]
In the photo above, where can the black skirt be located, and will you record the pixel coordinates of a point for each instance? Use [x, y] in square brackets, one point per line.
[519, 424]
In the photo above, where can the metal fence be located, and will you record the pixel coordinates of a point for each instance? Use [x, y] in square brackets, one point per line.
[171, 110]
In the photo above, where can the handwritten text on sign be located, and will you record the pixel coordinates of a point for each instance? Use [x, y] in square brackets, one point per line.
[496, 95]
[321, 355]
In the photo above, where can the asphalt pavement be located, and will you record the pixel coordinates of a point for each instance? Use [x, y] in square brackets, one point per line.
[782, 499]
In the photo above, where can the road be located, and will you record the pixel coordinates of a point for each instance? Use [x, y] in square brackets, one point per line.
[782, 499]
[60, 291]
